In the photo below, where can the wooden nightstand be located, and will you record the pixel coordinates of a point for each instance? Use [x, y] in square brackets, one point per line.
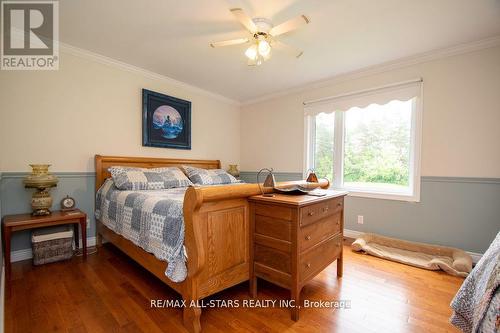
[12, 223]
[295, 237]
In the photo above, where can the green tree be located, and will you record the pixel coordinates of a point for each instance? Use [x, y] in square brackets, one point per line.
[376, 144]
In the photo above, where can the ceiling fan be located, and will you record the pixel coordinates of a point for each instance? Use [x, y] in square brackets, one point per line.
[264, 36]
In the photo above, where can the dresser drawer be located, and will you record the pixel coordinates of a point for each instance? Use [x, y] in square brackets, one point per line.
[317, 258]
[314, 233]
[313, 213]
[279, 212]
[272, 258]
[273, 227]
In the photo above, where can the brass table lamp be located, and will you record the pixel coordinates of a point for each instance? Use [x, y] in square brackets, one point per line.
[41, 180]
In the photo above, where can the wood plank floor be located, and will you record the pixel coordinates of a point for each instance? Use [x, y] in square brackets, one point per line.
[111, 293]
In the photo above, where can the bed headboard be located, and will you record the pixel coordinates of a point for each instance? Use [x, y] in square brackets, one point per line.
[102, 163]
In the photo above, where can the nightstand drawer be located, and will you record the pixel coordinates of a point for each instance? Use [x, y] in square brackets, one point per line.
[272, 227]
[279, 212]
[314, 233]
[313, 213]
[272, 258]
[317, 258]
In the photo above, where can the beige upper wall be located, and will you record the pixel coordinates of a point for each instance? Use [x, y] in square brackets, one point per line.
[65, 117]
[461, 119]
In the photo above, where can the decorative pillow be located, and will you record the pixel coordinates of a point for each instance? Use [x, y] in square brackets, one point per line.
[209, 176]
[133, 179]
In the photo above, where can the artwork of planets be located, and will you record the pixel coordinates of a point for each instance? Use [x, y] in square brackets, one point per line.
[168, 120]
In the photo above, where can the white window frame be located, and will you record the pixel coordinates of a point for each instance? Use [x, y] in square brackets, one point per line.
[338, 146]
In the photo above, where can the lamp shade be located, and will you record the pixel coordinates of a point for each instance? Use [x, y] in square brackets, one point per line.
[312, 178]
[269, 182]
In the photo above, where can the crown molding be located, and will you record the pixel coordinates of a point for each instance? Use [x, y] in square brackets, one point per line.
[370, 70]
[384, 67]
[89, 55]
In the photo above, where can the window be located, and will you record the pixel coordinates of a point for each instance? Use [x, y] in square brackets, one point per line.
[368, 142]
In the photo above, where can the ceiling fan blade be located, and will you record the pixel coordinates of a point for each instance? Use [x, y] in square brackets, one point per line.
[230, 42]
[244, 19]
[287, 48]
[289, 25]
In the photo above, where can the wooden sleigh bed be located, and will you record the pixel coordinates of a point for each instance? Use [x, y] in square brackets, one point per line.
[217, 236]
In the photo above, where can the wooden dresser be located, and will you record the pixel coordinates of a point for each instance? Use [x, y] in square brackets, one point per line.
[295, 237]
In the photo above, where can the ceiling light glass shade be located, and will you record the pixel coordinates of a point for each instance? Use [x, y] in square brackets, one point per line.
[264, 48]
[267, 56]
[258, 53]
[251, 52]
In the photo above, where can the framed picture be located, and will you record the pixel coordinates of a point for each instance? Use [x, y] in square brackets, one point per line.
[166, 121]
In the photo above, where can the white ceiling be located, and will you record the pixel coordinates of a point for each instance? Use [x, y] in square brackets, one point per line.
[172, 37]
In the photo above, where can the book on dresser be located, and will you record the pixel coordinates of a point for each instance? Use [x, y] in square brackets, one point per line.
[294, 238]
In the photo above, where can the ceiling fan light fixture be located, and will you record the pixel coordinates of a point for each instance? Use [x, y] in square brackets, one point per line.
[264, 36]
[267, 56]
[264, 48]
[251, 52]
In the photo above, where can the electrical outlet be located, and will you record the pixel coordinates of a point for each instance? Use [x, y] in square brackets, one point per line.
[88, 223]
[360, 219]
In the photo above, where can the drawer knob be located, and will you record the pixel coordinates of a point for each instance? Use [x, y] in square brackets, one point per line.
[326, 209]
[338, 222]
[339, 204]
[308, 237]
[310, 213]
[308, 265]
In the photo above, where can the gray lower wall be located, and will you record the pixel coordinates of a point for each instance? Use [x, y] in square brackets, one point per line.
[458, 212]
[15, 199]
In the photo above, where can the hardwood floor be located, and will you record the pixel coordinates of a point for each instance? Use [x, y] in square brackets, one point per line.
[111, 293]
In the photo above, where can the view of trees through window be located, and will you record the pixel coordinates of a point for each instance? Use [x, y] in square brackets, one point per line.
[323, 151]
[376, 145]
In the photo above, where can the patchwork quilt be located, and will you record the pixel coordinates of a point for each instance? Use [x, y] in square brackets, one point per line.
[476, 306]
[151, 219]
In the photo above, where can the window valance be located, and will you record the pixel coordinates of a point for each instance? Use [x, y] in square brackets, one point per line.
[402, 91]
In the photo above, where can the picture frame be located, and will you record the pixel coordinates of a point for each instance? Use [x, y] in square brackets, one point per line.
[166, 121]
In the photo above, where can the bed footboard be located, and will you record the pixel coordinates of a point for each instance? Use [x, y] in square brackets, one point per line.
[217, 241]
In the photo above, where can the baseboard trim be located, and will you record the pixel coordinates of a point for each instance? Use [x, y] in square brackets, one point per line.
[355, 234]
[475, 256]
[21, 255]
[26, 254]
[352, 233]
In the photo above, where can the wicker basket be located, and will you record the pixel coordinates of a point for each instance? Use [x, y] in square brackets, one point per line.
[51, 245]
